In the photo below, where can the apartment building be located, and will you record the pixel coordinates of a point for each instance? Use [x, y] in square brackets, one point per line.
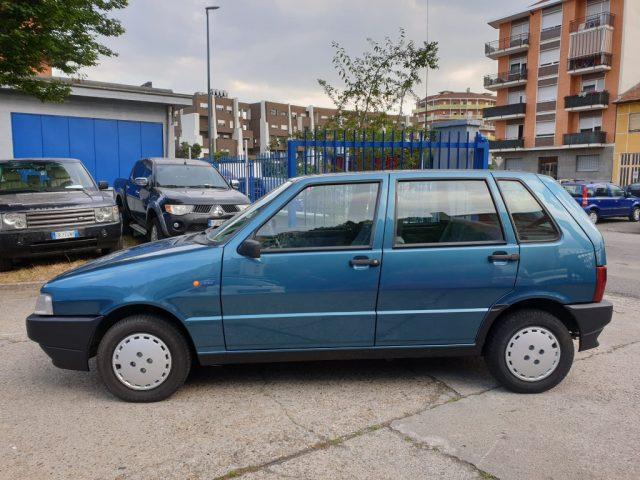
[560, 65]
[447, 105]
[252, 128]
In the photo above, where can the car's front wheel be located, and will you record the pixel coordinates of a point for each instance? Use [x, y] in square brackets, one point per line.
[155, 231]
[530, 351]
[635, 215]
[143, 358]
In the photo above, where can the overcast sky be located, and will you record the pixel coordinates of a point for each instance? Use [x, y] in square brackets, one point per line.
[277, 49]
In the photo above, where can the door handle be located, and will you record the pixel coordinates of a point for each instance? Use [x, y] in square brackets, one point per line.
[504, 257]
[364, 262]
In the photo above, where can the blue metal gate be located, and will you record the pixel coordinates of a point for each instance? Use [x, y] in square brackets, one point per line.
[333, 152]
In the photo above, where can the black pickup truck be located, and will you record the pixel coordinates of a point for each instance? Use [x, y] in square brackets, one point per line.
[165, 197]
[50, 206]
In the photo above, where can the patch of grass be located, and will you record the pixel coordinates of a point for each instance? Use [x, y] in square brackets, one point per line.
[44, 269]
[487, 475]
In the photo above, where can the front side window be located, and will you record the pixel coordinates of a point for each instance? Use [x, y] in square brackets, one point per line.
[616, 191]
[445, 212]
[323, 216]
[530, 220]
[43, 176]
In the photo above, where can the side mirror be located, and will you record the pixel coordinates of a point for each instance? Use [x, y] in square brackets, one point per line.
[103, 185]
[249, 248]
[235, 184]
[141, 181]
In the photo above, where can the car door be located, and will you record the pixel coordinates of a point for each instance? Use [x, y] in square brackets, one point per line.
[316, 281]
[621, 204]
[449, 254]
[135, 193]
[603, 201]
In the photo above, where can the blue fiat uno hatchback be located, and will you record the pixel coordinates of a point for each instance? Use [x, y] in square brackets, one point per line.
[370, 265]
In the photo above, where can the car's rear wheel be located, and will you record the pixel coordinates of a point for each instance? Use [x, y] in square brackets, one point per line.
[594, 217]
[530, 351]
[143, 358]
[635, 215]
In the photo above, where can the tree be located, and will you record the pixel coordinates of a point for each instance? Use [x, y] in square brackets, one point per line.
[379, 81]
[183, 150]
[61, 34]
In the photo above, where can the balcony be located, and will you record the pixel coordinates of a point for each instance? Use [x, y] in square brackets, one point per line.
[505, 80]
[506, 144]
[598, 62]
[593, 21]
[585, 139]
[505, 112]
[507, 46]
[586, 101]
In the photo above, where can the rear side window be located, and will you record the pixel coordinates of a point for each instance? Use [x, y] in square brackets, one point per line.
[323, 216]
[531, 221]
[445, 212]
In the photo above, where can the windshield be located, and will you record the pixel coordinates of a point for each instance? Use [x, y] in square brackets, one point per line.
[43, 176]
[225, 231]
[191, 176]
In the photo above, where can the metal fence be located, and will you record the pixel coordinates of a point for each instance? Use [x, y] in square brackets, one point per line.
[342, 151]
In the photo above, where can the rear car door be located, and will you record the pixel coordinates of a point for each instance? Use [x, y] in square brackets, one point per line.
[621, 204]
[449, 254]
[316, 281]
[603, 201]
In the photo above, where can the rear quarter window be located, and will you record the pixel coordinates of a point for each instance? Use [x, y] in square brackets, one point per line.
[530, 220]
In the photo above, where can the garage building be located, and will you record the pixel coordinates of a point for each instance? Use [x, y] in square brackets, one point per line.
[107, 126]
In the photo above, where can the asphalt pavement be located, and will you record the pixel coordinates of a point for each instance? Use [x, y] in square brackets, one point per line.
[367, 419]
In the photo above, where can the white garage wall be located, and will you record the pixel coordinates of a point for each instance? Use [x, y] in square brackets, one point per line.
[79, 107]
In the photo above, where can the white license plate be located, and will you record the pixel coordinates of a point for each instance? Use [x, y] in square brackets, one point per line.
[64, 234]
[214, 223]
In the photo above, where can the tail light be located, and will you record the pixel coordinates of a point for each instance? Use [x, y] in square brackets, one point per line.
[601, 283]
[585, 201]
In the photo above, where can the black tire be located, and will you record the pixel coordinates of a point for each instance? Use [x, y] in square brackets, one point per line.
[115, 248]
[635, 215]
[179, 351]
[497, 343]
[5, 264]
[125, 217]
[155, 224]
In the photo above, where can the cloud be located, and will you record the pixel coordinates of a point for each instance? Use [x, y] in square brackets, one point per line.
[277, 49]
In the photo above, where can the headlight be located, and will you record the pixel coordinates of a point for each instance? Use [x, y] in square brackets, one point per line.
[243, 207]
[107, 214]
[218, 211]
[178, 209]
[14, 221]
[44, 305]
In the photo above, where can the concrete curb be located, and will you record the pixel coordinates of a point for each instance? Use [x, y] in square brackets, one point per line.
[9, 286]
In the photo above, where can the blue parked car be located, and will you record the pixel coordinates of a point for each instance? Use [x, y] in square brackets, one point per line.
[604, 200]
[342, 266]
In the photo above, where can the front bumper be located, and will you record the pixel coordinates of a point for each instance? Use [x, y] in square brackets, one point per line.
[191, 222]
[33, 243]
[67, 340]
[591, 319]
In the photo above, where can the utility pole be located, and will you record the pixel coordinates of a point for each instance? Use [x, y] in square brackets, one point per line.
[212, 141]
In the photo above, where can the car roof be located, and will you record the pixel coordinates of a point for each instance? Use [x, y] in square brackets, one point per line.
[178, 161]
[45, 159]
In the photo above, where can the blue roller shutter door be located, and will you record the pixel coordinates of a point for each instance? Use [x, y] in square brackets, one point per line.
[108, 148]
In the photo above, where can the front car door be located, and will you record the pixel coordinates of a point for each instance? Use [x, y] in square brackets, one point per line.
[621, 204]
[316, 282]
[449, 254]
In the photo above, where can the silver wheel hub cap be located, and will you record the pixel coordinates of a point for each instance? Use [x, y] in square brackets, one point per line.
[141, 361]
[532, 354]
[593, 216]
[154, 233]
[636, 214]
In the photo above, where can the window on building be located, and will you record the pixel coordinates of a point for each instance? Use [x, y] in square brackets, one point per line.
[244, 127]
[550, 57]
[551, 18]
[323, 216]
[531, 222]
[590, 121]
[283, 127]
[587, 163]
[443, 212]
[219, 107]
[229, 108]
[519, 28]
[593, 85]
[545, 128]
[517, 65]
[634, 122]
[273, 112]
[221, 122]
[230, 123]
[596, 7]
[204, 105]
[514, 131]
[517, 95]
[548, 93]
[514, 164]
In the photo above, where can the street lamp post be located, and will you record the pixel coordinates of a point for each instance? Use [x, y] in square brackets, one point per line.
[212, 141]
